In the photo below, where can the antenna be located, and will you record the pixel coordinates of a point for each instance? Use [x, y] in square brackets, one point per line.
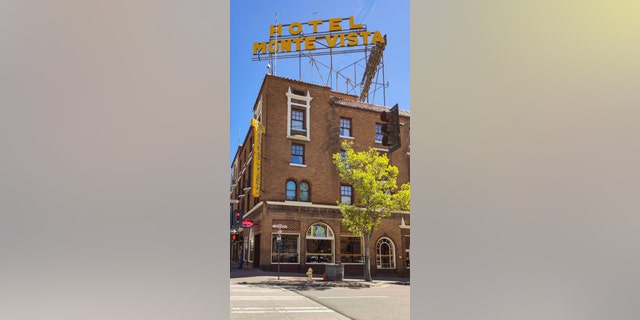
[275, 55]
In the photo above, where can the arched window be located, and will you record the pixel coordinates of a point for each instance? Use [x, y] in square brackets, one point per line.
[385, 254]
[319, 241]
[304, 191]
[291, 190]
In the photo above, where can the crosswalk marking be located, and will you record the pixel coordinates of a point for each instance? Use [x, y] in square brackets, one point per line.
[281, 310]
[353, 297]
[265, 298]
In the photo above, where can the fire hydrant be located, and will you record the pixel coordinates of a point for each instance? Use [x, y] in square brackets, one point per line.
[310, 274]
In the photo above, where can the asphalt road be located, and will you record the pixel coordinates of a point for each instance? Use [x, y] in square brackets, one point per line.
[259, 295]
[381, 302]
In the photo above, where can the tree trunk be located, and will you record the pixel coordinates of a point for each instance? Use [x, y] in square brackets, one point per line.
[367, 263]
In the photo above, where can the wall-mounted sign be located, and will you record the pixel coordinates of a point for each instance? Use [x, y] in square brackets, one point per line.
[246, 223]
[331, 33]
[258, 130]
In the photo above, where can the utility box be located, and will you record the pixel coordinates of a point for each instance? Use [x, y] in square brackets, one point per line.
[335, 272]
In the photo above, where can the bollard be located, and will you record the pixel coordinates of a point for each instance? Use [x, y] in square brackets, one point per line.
[310, 274]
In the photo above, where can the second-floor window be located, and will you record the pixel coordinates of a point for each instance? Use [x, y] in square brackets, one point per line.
[291, 190]
[297, 154]
[304, 192]
[345, 127]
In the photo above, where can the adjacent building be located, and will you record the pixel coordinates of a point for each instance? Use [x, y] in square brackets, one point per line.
[284, 180]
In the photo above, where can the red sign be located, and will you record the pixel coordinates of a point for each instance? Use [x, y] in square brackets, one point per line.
[246, 223]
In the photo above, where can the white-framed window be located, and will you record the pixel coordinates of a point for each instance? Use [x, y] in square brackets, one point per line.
[298, 123]
[298, 114]
[351, 248]
[345, 127]
[319, 244]
[385, 254]
[257, 114]
[287, 249]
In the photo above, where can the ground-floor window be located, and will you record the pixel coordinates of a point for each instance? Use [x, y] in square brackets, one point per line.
[350, 249]
[319, 244]
[285, 250]
[385, 254]
[407, 243]
[248, 243]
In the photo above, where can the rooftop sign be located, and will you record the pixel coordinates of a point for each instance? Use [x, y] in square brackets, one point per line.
[317, 34]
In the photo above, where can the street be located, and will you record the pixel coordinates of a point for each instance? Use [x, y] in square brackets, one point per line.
[264, 296]
[262, 301]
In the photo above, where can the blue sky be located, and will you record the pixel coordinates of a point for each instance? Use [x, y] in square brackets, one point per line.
[250, 21]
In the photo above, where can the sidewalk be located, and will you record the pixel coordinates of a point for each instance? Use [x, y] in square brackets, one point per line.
[250, 275]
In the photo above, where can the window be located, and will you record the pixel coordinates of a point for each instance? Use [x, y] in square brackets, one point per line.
[297, 154]
[286, 250]
[319, 244]
[351, 249]
[298, 125]
[346, 193]
[291, 190]
[345, 127]
[378, 133]
[298, 113]
[249, 246]
[304, 192]
[385, 254]
[407, 243]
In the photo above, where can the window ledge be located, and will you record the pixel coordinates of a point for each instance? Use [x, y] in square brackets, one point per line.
[345, 137]
[297, 202]
[298, 165]
[299, 137]
[380, 149]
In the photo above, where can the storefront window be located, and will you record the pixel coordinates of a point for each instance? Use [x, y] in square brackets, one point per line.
[350, 249]
[249, 246]
[319, 244]
[286, 250]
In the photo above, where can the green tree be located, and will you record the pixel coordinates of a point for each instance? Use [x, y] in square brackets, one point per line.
[374, 180]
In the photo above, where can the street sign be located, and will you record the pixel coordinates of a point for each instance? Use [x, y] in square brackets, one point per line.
[234, 201]
[279, 226]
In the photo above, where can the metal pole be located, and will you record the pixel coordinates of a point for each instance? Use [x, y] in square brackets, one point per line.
[279, 241]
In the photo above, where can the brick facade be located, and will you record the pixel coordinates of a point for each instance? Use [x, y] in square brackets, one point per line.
[320, 140]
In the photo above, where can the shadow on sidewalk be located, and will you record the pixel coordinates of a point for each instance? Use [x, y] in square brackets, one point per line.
[246, 272]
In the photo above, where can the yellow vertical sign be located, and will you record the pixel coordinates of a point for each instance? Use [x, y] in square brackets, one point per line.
[258, 130]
